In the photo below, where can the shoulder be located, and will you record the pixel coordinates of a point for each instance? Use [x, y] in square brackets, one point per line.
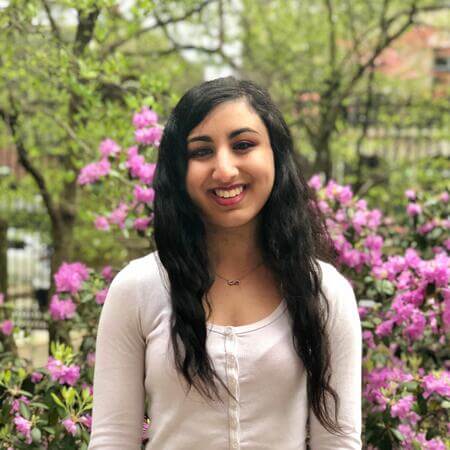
[331, 279]
[141, 284]
[339, 293]
[143, 272]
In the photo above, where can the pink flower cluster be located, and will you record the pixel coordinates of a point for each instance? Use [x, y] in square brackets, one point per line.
[23, 426]
[96, 170]
[6, 327]
[438, 383]
[62, 373]
[70, 277]
[411, 276]
[147, 132]
[138, 167]
[62, 309]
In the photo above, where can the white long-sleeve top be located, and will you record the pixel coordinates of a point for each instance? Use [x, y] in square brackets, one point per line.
[134, 360]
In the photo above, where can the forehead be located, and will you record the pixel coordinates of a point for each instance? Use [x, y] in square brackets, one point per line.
[229, 116]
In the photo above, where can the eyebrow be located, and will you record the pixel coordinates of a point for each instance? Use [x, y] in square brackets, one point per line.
[206, 138]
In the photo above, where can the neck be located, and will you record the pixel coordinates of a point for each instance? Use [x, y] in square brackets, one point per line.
[233, 251]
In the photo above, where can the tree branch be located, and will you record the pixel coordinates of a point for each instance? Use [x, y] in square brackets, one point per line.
[11, 121]
[159, 23]
[85, 30]
[331, 35]
[53, 24]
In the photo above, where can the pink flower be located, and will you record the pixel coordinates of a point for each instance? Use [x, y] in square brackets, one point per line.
[438, 383]
[142, 223]
[446, 312]
[444, 197]
[413, 209]
[132, 151]
[101, 223]
[148, 136]
[427, 227]
[16, 403]
[143, 194]
[416, 328]
[62, 309]
[436, 444]
[107, 273]
[144, 118]
[100, 296]
[2, 299]
[147, 172]
[70, 277]
[315, 182]
[345, 195]
[23, 426]
[6, 327]
[94, 171]
[61, 373]
[374, 242]
[108, 147]
[368, 338]
[70, 426]
[145, 428]
[90, 359]
[402, 407]
[70, 375]
[36, 377]
[323, 206]
[119, 215]
[410, 194]
[86, 420]
[385, 328]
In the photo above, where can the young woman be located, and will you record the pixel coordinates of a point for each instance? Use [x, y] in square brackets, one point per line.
[239, 331]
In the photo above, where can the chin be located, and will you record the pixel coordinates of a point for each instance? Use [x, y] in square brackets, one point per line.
[231, 222]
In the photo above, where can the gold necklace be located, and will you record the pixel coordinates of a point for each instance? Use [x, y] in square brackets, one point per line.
[237, 282]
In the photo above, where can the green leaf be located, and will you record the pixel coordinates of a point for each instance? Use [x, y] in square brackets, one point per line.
[40, 405]
[7, 377]
[57, 400]
[24, 410]
[70, 396]
[36, 435]
[397, 434]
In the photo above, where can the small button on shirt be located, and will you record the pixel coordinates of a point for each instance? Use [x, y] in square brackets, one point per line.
[257, 362]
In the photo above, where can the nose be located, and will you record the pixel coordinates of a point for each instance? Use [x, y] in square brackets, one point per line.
[225, 169]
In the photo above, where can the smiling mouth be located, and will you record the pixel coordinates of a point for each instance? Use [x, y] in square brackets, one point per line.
[229, 193]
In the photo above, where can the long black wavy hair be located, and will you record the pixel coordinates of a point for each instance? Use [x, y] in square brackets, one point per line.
[292, 236]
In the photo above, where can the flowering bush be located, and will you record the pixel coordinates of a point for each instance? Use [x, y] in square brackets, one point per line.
[399, 269]
[401, 272]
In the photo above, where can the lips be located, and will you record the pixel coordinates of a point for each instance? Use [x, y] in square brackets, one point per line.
[231, 200]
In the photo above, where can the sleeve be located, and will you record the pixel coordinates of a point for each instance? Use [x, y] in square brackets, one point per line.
[346, 368]
[119, 393]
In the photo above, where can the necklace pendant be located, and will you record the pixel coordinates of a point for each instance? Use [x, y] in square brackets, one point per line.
[233, 282]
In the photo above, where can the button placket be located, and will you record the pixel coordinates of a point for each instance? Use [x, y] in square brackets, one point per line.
[232, 371]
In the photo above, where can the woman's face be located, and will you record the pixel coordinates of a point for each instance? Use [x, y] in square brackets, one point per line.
[231, 170]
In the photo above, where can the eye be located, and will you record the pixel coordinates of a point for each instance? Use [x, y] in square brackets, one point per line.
[199, 153]
[243, 145]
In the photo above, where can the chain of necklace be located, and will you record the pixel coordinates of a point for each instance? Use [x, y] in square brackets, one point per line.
[237, 282]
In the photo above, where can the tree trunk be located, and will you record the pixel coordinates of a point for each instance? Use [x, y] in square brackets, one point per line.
[323, 162]
[62, 238]
[7, 343]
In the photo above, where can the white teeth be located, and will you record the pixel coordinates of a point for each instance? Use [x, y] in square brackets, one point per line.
[228, 193]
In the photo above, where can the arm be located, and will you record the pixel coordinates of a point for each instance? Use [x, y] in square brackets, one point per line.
[346, 361]
[119, 394]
